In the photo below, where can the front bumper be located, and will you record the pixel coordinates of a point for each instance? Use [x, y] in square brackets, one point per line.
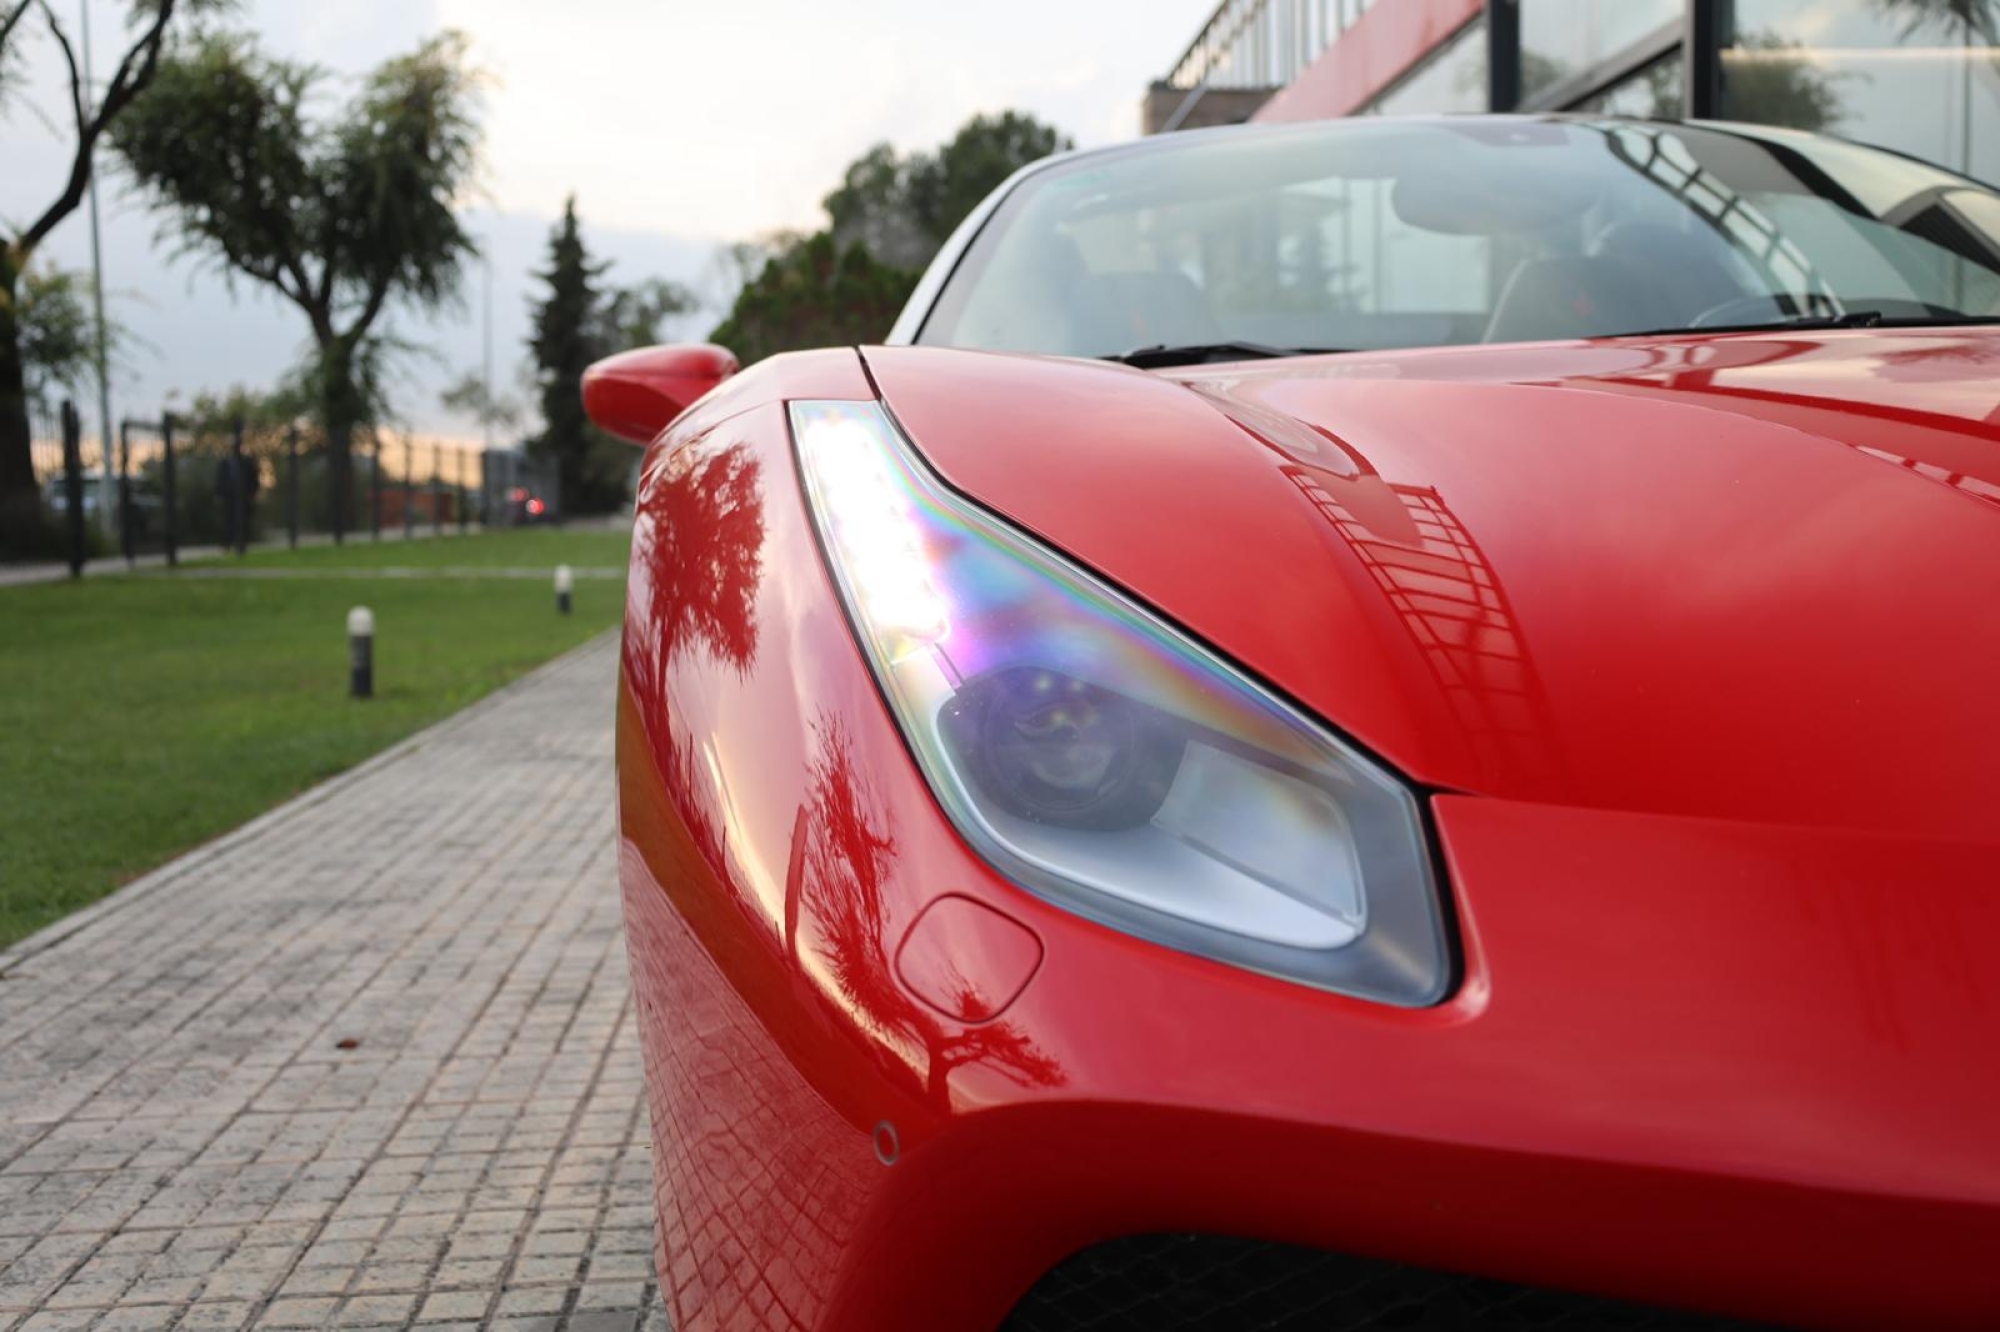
[1726, 1067]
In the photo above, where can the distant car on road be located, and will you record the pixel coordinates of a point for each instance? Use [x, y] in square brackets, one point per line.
[1385, 723]
[523, 507]
[519, 490]
[148, 504]
[55, 493]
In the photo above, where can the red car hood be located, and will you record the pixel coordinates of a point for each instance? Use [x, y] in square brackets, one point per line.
[1746, 577]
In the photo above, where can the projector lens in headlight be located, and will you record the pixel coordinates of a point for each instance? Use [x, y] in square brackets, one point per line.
[1101, 759]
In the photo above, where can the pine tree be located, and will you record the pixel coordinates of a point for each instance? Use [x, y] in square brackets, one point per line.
[564, 343]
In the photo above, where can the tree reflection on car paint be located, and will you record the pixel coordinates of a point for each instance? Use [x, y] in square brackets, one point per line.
[848, 852]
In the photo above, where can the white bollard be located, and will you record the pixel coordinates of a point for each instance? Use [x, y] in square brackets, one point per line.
[565, 586]
[361, 652]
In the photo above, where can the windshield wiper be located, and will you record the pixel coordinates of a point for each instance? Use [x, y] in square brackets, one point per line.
[1201, 353]
[1849, 319]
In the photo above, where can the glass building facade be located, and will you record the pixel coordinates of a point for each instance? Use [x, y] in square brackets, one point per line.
[1922, 77]
[1918, 76]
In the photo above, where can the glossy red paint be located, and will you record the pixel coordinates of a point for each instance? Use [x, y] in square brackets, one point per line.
[1381, 46]
[967, 960]
[1699, 1055]
[635, 394]
[1736, 577]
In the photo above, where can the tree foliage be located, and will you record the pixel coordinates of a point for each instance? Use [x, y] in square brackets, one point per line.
[735, 264]
[886, 219]
[634, 316]
[581, 319]
[89, 119]
[872, 207]
[984, 152]
[903, 208]
[1966, 21]
[1778, 84]
[58, 332]
[343, 216]
[814, 294]
[469, 395]
[563, 344]
[1770, 82]
[267, 414]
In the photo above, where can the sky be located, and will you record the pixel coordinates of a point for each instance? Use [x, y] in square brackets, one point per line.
[679, 127]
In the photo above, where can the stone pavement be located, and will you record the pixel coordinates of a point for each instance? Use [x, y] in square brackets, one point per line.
[367, 1061]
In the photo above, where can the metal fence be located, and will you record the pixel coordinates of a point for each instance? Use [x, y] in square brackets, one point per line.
[176, 485]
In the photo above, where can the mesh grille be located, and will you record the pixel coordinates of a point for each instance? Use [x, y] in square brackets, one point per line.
[1164, 1283]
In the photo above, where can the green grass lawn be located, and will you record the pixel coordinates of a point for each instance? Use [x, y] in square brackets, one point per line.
[144, 715]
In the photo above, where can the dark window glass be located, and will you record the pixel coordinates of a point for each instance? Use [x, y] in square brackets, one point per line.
[1653, 92]
[1385, 233]
[1561, 38]
[1452, 79]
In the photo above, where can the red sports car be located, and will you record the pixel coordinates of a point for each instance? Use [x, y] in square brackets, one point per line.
[1373, 724]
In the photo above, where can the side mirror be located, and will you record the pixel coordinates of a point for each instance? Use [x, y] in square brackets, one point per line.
[636, 394]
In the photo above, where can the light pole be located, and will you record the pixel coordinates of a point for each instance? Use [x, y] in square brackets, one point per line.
[486, 413]
[108, 494]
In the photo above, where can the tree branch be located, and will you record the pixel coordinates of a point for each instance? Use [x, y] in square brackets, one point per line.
[378, 295]
[300, 290]
[76, 92]
[313, 298]
[273, 272]
[135, 71]
[131, 79]
[14, 21]
[328, 266]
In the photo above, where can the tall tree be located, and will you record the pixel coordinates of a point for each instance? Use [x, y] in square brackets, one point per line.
[985, 151]
[814, 294]
[871, 207]
[887, 218]
[89, 118]
[904, 208]
[343, 216]
[734, 265]
[564, 342]
[578, 320]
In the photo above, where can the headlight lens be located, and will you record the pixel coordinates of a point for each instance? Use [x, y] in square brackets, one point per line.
[1101, 759]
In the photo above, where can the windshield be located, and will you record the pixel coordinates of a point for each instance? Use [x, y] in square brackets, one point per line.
[1384, 233]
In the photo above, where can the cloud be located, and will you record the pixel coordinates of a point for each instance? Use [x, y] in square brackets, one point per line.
[678, 126]
[726, 120]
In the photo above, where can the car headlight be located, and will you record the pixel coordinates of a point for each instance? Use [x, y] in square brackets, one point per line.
[1101, 759]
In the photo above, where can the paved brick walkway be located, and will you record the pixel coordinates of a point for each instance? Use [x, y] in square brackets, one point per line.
[368, 1061]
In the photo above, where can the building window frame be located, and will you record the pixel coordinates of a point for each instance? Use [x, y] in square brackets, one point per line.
[1710, 26]
[1701, 34]
[1503, 55]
